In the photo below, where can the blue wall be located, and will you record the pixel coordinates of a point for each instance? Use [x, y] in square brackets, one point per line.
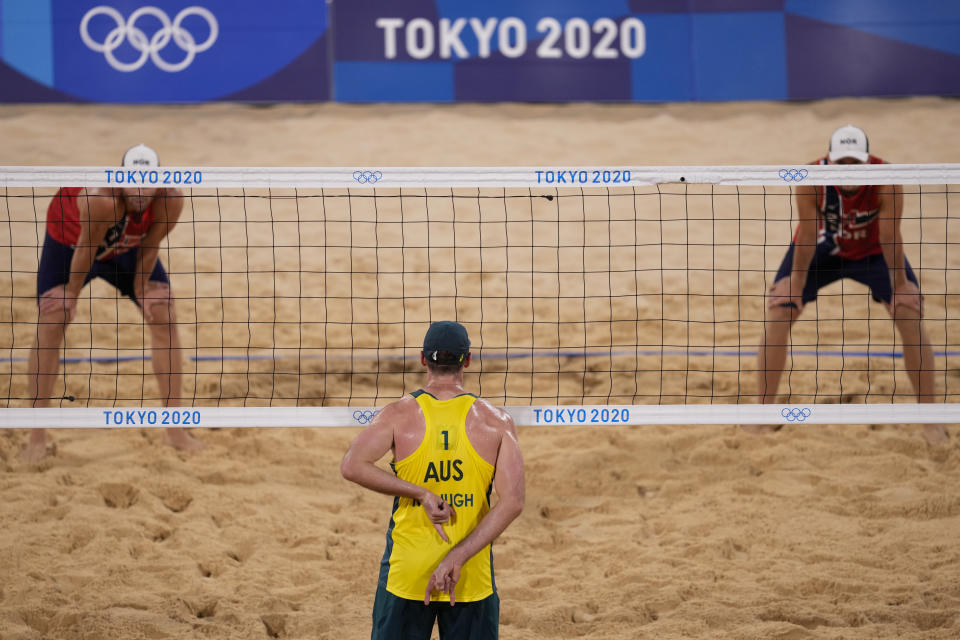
[475, 50]
[161, 51]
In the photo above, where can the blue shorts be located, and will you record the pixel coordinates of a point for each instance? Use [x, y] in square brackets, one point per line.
[826, 268]
[397, 618]
[55, 269]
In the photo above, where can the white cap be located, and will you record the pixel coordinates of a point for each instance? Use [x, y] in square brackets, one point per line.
[849, 142]
[140, 156]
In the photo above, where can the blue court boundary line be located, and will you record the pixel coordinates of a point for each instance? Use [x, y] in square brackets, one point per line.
[508, 356]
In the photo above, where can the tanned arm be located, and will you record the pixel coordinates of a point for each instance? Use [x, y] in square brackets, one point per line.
[97, 213]
[804, 246]
[891, 242]
[359, 466]
[167, 208]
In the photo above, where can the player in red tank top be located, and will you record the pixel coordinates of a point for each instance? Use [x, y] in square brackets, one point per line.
[63, 224]
[849, 216]
[113, 234]
[848, 232]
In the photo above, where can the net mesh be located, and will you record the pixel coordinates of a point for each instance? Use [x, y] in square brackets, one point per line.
[616, 295]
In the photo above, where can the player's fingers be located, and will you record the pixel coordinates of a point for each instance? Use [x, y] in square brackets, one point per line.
[430, 587]
[51, 299]
[779, 289]
[783, 302]
[778, 301]
[452, 579]
[445, 514]
[440, 514]
[439, 527]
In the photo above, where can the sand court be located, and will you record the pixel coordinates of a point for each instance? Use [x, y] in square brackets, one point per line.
[815, 532]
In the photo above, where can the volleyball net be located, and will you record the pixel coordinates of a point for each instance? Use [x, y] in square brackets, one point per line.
[591, 296]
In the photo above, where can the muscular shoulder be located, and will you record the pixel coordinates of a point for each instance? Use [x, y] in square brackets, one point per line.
[97, 196]
[489, 427]
[490, 411]
[404, 420]
[167, 205]
[98, 204]
[172, 195]
[399, 408]
[401, 414]
[494, 418]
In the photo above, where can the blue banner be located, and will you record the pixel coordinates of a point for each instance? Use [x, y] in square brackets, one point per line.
[164, 51]
[643, 50]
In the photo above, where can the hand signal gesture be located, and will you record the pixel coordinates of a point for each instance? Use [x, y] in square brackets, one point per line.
[444, 579]
[439, 513]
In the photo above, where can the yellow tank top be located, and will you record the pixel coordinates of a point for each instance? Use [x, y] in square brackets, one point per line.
[446, 464]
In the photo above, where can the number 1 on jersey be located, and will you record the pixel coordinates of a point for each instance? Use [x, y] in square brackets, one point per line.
[446, 439]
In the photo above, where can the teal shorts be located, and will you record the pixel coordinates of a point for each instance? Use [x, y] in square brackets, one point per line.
[401, 619]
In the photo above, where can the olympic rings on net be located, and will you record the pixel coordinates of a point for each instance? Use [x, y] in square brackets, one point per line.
[364, 416]
[795, 414]
[793, 175]
[149, 47]
[367, 177]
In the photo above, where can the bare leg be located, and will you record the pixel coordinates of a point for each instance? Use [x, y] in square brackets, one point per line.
[918, 358]
[42, 368]
[772, 359]
[168, 368]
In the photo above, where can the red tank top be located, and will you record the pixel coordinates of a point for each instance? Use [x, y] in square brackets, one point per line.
[849, 224]
[63, 225]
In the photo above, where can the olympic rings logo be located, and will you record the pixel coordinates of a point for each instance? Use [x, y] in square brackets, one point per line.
[795, 414]
[367, 177]
[127, 30]
[793, 175]
[364, 416]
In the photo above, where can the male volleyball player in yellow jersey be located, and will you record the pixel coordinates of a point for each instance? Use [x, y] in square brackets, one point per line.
[113, 234]
[848, 232]
[449, 448]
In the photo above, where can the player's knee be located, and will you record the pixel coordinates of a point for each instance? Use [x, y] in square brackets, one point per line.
[908, 309]
[52, 322]
[159, 313]
[56, 308]
[157, 304]
[908, 301]
[782, 313]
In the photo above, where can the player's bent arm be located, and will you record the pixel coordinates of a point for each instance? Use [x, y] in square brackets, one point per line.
[806, 238]
[359, 462]
[511, 494]
[167, 210]
[891, 241]
[96, 214]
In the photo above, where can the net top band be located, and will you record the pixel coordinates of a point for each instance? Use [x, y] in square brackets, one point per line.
[475, 177]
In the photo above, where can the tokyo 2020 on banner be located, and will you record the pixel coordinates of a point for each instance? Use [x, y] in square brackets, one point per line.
[475, 50]
[643, 50]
